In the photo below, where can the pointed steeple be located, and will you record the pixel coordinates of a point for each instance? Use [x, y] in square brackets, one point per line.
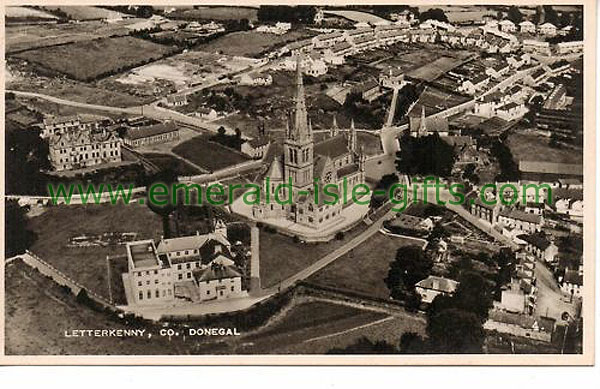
[423, 122]
[352, 137]
[300, 129]
[334, 126]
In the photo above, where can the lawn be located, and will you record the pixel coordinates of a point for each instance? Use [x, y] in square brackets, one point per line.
[281, 257]
[306, 321]
[252, 43]
[363, 269]
[90, 60]
[166, 161]
[87, 265]
[209, 155]
[535, 147]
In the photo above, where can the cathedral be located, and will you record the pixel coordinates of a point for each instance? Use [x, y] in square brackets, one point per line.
[334, 160]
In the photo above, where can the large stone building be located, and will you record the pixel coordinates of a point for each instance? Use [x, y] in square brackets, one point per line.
[81, 148]
[334, 162]
[194, 268]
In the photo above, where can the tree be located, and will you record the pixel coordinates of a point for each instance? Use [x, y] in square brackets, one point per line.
[514, 14]
[425, 155]
[410, 266]
[17, 237]
[26, 159]
[474, 295]
[433, 14]
[412, 343]
[365, 346]
[455, 331]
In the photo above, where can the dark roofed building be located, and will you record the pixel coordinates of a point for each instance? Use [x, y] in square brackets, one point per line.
[153, 134]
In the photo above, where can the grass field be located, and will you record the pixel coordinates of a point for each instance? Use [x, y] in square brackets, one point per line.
[363, 269]
[85, 12]
[87, 265]
[89, 60]
[38, 313]
[26, 37]
[209, 155]
[534, 147]
[281, 257]
[216, 13]
[252, 43]
[166, 161]
[306, 321]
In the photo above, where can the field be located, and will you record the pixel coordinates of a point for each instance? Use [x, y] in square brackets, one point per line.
[86, 12]
[27, 37]
[535, 147]
[215, 13]
[363, 269]
[209, 155]
[306, 321]
[87, 265]
[252, 43]
[166, 161]
[281, 257]
[86, 61]
[25, 12]
[38, 312]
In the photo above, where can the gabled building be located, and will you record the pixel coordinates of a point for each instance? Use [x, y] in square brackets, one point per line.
[83, 148]
[433, 286]
[150, 135]
[519, 220]
[527, 27]
[539, 246]
[548, 29]
[507, 26]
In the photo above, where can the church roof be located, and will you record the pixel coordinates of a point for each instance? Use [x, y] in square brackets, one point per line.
[333, 147]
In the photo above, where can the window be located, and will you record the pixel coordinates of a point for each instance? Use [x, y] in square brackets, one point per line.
[180, 276]
[139, 283]
[189, 275]
[187, 252]
[188, 266]
[141, 296]
[232, 288]
[155, 271]
[208, 292]
[178, 267]
[148, 282]
[157, 294]
[149, 294]
[156, 281]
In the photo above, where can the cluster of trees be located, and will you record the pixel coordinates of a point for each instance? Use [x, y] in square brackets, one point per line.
[455, 323]
[509, 170]
[363, 111]
[433, 14]
[411, 265]
[426, 155]
[26, 158]
[232, 141]
[18, 237]
[406, 97]
[304, 14]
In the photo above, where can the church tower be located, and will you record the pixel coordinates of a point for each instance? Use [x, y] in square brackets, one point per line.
[298, 145]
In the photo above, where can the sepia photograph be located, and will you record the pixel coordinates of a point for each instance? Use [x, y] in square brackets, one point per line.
[396, 184]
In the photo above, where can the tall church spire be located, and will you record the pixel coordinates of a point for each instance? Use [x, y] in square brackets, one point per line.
[300, 129]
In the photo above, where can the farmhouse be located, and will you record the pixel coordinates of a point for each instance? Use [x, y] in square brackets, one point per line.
[177, 100]
[527, 27]
[81, 148]
[507, 26]
[548, 29]
[150, 135]
[433, 286]
[256, 79]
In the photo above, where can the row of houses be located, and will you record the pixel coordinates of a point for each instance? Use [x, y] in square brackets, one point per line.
[546, 29]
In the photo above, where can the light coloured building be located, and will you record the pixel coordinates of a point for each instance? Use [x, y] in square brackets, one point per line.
[536, 47]
[177, 100]
[548, 29]
[515, 219]
[82, 148]
[256, 79]
[538, 245]
[569, 47]
[150, 135]
[527, 27]
[333, 161]
[433, 286]
[193, 268]
[507, 26]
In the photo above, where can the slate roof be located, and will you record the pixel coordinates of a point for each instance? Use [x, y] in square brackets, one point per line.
[442, 284]
[537, 240]
[333, 147]
[149, 131]
[520, 215]
[216, 272]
